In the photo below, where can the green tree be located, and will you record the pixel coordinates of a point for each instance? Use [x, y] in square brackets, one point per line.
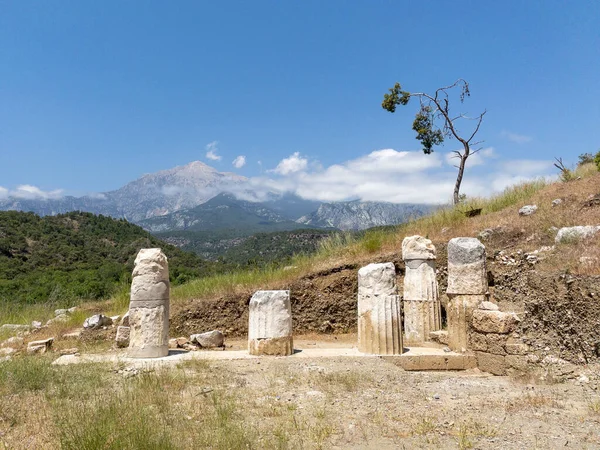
[434, 122]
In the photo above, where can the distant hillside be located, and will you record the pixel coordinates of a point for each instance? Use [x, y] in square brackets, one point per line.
[223, 212]
[362, 215]
[77, 255]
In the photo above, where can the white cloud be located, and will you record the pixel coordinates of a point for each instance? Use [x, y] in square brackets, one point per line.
[393, 176]
[239, 162]
[292, 164]
[211, 151]
[29, 192]
[3, 193]
[517, 138]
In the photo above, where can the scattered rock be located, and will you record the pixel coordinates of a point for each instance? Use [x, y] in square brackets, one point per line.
[15, 341]
[489, 306]
[62, 318]
[72, 335]
[173, 343]
[14, 328]
[122, 338]
[556, 201]
[69, 351]
[527, 210]
[60, 312]
[326, 327]
[210, 339]
[41, 346]
[36, 324]
[486, 234]
[576, 233]
[5, 351]
[97, 321]
[125, 320]
[532, 259]
[115, 319]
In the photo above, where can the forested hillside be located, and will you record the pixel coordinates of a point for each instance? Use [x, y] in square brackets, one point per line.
[77, 255]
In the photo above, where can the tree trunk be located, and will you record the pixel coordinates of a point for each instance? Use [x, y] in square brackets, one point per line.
[461, 171]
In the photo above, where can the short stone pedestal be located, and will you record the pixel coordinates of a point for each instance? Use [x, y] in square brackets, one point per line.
[422, 308]
[467, 288]
[379, 311]
[270, 324]
[149, 305]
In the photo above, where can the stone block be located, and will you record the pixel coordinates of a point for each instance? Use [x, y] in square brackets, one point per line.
[489, 343]
[466, 267]
[377, 279]
[460, 313]
[420, 319]
[270, 324]
[149, 305]
[493, 321]
[95, 322]
[517, 362]
[415, 360]
[41, 346]
[439, 336]
[380, 328]
[210, 339]
[494, 364]
[122, 338]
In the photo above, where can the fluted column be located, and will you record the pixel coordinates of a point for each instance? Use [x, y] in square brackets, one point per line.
[270, 324]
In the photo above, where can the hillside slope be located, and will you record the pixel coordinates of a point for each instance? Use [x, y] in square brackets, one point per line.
[554, 288]
[76, 255]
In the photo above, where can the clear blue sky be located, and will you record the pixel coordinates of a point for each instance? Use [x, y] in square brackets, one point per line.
[95, 94]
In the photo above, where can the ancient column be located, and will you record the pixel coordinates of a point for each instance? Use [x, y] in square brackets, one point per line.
[379, 310]
[270, 324]
[422, 309]
[149, 305]
[467, 287]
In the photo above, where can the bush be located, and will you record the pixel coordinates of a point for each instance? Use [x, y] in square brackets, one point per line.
[597, 160]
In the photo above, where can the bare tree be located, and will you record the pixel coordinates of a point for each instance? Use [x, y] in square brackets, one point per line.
[435, 111]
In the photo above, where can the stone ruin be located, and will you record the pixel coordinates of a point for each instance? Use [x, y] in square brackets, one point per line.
[379, 311]
[422, 308]
[270, 324]
[149, 305]
[467, 288]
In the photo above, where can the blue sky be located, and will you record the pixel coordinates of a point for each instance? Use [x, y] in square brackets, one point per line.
[95, 94]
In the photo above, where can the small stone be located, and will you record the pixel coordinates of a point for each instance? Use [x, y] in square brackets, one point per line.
[556, 201]
[97, 321]
[567, 234]
[122, 338]
[62, 318]
[181, 341]
[14, 328]
[527, 210]
[173, 343]
[493, 321]
[72, 310]
[36, 324]
[15, 341]
[485, 234]
[210, 339]
[439, 336]
[489, 306]
[125, 320]
[115, 319]
[72, 335]
[60, 312]
[32, 347]
[69, 351]
[5, 351]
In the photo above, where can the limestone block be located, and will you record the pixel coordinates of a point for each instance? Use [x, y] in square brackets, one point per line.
[420, 319]
[15, 341]
[210, 339]
[125, 320]
[122, 339]
[466, 267]
[417, 247]
[6, 351]
[567, 234]
[149, 305]
[420, 281]
[380, 328]
[440, 336]
[270, 324]
[494, 364]
[517, 362]
[374, 280]
[527, 210]
[493, 321]
[41, 346]
[490, 343]
[517, 349]
[460, 313]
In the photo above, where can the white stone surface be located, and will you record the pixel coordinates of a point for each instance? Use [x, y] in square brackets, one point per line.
[210, 339]
[149, 306]
[270, 323]
[96, 321]
[379, 310]
[576, 233]
[417, 247]
[466, 267]
[527, 210]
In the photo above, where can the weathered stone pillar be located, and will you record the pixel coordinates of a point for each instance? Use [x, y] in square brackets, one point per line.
[467, 287]
[270, 324]
[149, 305]
[422, 309]
[379, 310]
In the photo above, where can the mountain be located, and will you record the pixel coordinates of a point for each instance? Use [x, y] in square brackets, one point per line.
[151, 195]
[222, 212]
[77, 255]
[358, 215]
